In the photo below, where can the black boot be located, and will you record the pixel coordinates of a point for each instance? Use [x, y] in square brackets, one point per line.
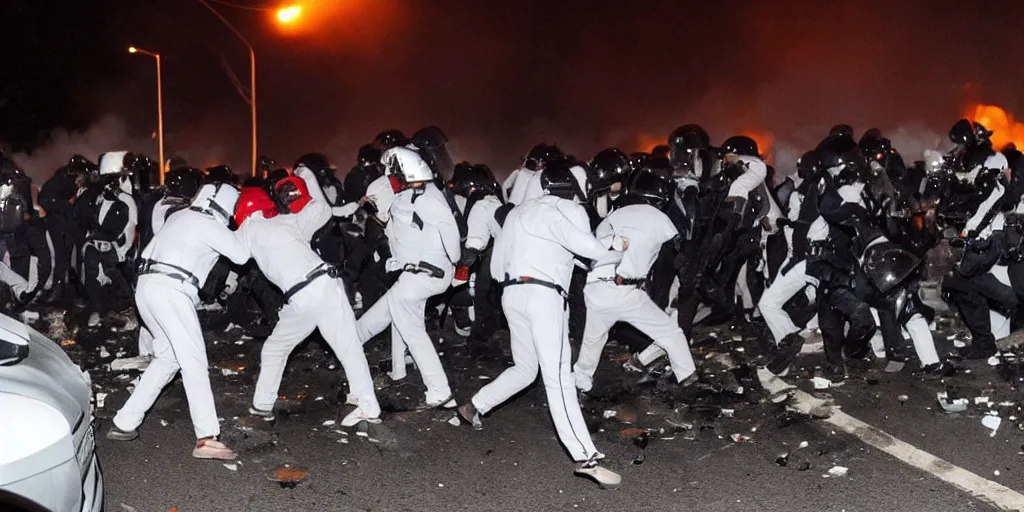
[786, 352]
[983, 347]
[56, 295]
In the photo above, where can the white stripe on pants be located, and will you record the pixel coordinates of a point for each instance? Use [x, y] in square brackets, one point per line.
[323, 305]
[404, 305]
[785, 287]
[539, 329]
[608, 303]
[178, 344]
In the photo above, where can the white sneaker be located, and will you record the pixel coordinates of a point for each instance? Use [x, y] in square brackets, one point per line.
[356, 417]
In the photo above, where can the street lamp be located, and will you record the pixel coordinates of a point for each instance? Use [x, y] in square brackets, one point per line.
[288, 15]
[159, 106]
[252, 78]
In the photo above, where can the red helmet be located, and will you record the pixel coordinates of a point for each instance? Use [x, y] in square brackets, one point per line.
[293, 192]
[252, 200]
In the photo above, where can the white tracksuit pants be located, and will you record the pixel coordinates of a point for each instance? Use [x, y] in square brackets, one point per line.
[403, 308]
[924, 344]
[785, 287]
[145, 341]
[8, 276]
[608, 303]
[539, 328]
[167, 306]
[323, 305]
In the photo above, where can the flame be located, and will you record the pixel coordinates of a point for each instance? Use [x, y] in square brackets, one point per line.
[1006, 129]
[765, 143]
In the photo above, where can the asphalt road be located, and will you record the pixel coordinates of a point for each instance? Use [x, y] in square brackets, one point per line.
[418, 461]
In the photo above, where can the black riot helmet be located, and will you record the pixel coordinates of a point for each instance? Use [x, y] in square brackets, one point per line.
[369, 156]
[848, 167]
[264, 164]
[485, 179]
[542, 155]
[221, 174]
[660, 166]
[963, 133]
[608, 167]
[638, 161]
[740, 145]
[388, 139]
[143, 172]
[460, 182]
[317, 163]
[650, 188]
[472, 181]
[558, 180]
[841, 130]
[808, 165]
[183, 183]
[684, 143]
[876, 148]
[661, 151]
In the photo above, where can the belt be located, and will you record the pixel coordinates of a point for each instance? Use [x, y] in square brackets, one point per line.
[530, 280]
[424, 268]
[315, 274]
[179, 273]
[638, 282]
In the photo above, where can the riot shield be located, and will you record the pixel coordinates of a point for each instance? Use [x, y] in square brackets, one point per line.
[432, 145]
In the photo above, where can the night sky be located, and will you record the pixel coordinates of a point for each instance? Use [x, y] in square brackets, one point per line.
[496, 76]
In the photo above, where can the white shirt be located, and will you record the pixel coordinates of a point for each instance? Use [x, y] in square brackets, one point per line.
[193, 240]
[481, 224]
[753, 176]
[645, 228]
[423, 228]
[540, 237]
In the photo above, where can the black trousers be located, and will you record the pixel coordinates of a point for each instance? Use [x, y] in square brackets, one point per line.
[973, 296]
[835, 309]
[104, 298]
[62, 234]
[486, 304]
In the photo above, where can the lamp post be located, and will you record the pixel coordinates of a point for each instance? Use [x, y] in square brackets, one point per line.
[159, 106]
[252, 79]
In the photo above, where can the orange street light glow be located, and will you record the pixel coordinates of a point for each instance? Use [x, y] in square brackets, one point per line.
[289, 14]
[132, 49]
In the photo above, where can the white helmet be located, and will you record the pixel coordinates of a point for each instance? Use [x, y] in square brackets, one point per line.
[407, 164]
[112, 162]
[218, 200]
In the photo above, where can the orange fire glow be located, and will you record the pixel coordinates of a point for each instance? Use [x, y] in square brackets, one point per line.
[1006, 129]
[646, 142]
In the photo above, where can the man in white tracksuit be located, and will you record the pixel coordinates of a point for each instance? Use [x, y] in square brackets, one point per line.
[179, 187]
[615, 294]
[314, 297]
[536, 250]
[175, 265]
[425, 243]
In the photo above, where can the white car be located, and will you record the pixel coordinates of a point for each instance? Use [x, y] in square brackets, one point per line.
[47, 443]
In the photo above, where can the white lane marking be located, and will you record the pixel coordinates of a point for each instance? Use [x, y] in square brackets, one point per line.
[991, 492]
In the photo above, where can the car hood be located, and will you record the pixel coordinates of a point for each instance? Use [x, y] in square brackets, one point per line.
[48, 375]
